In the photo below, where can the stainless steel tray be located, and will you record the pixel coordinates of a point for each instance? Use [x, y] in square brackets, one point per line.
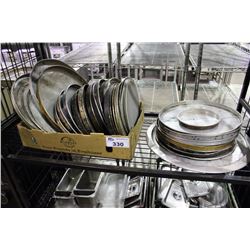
[68, 181]
[195, 188]
[113, 189]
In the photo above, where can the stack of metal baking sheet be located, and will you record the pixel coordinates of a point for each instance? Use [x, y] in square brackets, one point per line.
[190, 134]
[55, 98]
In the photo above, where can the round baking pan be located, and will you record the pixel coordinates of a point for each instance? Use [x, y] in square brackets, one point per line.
[76, 113]
[90, 108]
[81, 98]
[62, 116]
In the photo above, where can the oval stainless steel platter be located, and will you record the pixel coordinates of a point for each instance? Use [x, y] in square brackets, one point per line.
[51, 83]
[37, 71]
[17, 91]
[34, 113]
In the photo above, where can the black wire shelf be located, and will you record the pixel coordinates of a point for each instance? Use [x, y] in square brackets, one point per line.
[144, 163]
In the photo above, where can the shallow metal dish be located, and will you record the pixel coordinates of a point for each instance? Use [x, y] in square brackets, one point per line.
[17, 91]
[113, 189]
[50, 85]
[175, 197]
[218, 197]
[195, 188]
[198, 118]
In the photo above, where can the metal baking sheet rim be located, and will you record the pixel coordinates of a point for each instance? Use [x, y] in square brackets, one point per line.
[211, 166]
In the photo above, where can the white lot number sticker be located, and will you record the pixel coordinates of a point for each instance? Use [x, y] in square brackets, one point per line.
[117, 142]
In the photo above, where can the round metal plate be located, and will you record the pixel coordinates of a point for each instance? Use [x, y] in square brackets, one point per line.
[198, 118]
[236, 160]
[58, 121]
[50, 85]
[17, 91]
[34, 113]
[230, 119]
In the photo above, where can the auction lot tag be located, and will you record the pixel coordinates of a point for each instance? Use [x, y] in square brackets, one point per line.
[117, 142]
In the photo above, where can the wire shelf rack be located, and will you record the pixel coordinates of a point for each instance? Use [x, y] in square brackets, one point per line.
[144, 163]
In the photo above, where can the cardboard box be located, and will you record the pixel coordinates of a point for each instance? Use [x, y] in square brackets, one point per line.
[95, 144]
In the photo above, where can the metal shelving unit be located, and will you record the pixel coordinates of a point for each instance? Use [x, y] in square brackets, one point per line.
[34, 174]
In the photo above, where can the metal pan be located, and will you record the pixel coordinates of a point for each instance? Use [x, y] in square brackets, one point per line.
[113, 189]
[58, 121]
[198, 118]
[34, 113]
[90, 109]
[116, 111]
[37, 71]
[76, 113]
[81, 98]
[50, 85]
[17, 91]
[66, 99]
[97, 106]
[62, 116]
[108, 116]
[88, 183]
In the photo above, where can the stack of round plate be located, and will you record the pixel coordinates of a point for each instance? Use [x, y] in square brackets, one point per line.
[199, 132]
[55, 98]
[198, 129]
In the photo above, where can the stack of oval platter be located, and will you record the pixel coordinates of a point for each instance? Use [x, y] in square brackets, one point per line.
[55, 98]
[200, 136]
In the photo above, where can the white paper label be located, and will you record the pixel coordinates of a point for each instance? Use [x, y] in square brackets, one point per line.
[117, 142]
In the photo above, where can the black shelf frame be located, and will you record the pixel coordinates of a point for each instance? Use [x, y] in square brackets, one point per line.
[144, 163]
